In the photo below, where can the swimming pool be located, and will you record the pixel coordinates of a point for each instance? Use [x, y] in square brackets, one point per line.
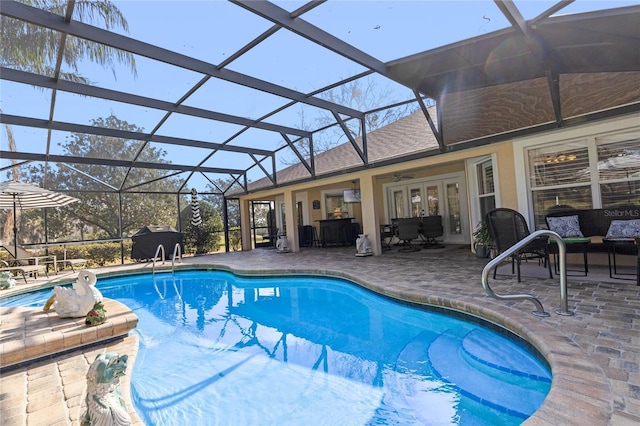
[216, 348]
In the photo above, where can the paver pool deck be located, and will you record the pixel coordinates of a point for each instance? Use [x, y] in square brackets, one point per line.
[594, 354]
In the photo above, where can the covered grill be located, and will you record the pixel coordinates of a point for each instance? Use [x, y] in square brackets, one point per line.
[147, 240]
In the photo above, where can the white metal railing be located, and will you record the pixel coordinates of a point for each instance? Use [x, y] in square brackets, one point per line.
[159, 250]
[177, 251]
[562, 260]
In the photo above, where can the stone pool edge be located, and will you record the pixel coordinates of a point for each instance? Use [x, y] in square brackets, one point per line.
[580, 393]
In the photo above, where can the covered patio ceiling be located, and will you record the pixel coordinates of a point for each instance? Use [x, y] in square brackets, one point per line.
[563, 69]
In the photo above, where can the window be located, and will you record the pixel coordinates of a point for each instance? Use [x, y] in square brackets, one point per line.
[419, 204]
[596, 172]
[415, 194]
[453, 204]
[283, 219]
[560, 175]
[486, 187]
[433, 201]
[299, 213]
[398, 203]
[335, 206]
[619, 169]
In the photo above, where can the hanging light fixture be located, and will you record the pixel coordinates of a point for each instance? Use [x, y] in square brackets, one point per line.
[560, 158]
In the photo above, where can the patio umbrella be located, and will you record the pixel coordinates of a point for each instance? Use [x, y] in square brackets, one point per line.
[14, 195]
[196, 220]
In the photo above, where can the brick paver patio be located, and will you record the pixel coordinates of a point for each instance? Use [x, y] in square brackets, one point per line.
[594, 355]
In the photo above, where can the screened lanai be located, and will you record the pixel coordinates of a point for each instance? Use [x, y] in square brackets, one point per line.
[221, 96]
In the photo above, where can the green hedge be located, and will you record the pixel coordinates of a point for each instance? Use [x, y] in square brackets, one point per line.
[97, 254]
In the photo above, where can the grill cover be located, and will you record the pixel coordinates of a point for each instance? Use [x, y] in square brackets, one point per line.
[147, 240]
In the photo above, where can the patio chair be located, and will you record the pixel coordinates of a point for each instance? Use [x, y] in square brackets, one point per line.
[431, 230]
[386, 235]
[507, 227]
[31, 270]
[409, 230]
[568, 228]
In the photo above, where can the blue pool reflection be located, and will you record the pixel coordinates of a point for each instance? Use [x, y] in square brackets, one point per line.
[220, 349]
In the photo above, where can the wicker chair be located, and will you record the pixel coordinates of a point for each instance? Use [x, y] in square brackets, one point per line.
[507, 227]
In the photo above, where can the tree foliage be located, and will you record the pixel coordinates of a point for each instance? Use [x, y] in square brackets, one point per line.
[362, 95]
[96, 186]
[206, 237]
[225, 186]
[35, 49]
[216, 200]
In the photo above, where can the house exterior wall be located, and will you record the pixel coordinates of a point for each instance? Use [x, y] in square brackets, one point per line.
[510, 173]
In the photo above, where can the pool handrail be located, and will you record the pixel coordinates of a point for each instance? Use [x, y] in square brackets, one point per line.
[177, 251]
[159, 250]
[562, 260]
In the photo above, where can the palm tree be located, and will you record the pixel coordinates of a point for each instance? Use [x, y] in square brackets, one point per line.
[35, 49]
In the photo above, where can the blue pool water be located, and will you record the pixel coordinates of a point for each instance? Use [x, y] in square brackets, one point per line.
[220, 349]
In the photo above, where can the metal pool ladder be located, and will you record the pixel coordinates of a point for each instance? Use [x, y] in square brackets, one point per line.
[159, 250]
[177, 252]
[562, 259]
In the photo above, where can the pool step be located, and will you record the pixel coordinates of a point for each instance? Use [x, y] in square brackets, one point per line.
[414, 390]
[448, 361]
[413, 356]
[482, 347]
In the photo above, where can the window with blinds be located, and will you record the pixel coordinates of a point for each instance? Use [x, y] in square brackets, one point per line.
[565, 164]
[564, 175]
[486, 187]
[619, 169]
[559, 176]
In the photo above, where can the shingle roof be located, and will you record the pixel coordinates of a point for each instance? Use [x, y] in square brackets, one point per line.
[408, 135]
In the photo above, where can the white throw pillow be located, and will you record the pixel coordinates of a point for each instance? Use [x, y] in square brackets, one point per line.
[565, 226]
[624, 228]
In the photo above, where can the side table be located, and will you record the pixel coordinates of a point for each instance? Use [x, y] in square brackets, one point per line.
[627, 246]
[574, 245]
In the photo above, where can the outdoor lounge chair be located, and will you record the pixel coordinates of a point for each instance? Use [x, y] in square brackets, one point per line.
[24, 270]
[72, 263]
[507, 227]
[22, 257]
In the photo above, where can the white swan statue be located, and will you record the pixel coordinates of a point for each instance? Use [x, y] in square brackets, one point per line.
[75, 302]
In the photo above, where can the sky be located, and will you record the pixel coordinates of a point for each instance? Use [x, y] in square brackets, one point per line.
[213, 30]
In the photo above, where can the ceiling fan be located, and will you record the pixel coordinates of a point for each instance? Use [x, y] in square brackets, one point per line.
[397, 177]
